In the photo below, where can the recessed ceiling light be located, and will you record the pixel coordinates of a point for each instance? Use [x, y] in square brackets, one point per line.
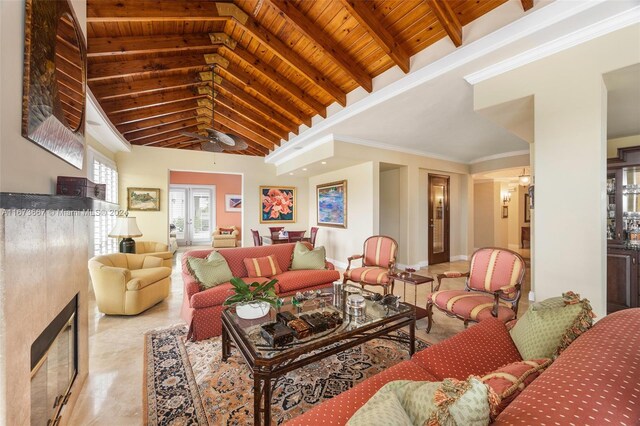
[324, 162]
[304, 170]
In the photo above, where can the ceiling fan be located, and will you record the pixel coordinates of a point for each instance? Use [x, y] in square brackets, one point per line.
[216, 141]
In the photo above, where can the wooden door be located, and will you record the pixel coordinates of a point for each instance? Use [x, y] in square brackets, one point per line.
[438, 219]
[622, 279]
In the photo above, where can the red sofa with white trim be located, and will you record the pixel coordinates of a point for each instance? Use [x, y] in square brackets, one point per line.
[202, 309]
[595, 381]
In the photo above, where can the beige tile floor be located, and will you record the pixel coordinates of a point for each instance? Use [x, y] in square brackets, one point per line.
[112, 394]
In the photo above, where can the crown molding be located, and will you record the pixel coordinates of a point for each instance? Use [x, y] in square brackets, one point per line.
[499, 156]
[614, 23]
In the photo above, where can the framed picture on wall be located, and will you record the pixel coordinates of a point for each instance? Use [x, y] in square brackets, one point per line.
[278, 204]
[143, 199]
[331, 202]
[505, 212]
[232, 203]
[527, 208]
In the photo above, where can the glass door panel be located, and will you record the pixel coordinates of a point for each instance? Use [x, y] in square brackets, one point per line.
[178, 213]
[438, 221]
[201, 200]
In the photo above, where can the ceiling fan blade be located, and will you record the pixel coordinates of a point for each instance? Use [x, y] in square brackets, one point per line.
[211, 147]
[240, 144]
[221, 137]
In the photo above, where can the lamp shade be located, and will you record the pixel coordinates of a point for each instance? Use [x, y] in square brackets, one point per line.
[126, 227]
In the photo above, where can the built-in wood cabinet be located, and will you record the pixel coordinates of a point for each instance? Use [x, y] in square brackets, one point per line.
[623, 230]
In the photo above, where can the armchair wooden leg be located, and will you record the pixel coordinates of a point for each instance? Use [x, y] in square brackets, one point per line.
[466, 323]
[429, 315]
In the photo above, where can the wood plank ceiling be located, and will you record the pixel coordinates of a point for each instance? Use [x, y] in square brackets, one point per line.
[277, 62]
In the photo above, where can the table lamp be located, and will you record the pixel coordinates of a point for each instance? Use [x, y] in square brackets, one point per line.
[126, 228]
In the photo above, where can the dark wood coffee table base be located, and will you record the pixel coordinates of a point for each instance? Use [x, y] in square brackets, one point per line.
[266, 371]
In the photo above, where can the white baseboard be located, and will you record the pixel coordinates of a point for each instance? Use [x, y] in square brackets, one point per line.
[458, 258]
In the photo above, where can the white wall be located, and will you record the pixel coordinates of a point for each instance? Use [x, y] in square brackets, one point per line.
[149, 167]
[483, 208]
[569, 159]
[390, 203]
[341, 243]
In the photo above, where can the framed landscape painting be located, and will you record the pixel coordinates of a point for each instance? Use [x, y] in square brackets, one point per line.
[232, 203]
[278, 204]
[143, 199]
[332, 204]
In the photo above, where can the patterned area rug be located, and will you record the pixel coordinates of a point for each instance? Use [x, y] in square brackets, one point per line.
[186, 383]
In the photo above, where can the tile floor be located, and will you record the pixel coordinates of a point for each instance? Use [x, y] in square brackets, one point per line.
[112, 394]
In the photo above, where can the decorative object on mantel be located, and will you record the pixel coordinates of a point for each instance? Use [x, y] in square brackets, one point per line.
[143, 199]
[55, 64]
[331, 202]
[80, 187]
[278, 204]
[126, 228]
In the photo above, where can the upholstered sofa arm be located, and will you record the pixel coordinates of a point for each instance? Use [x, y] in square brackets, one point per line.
[110, 276]
[214, 296]
[151, 262]
[330, 266]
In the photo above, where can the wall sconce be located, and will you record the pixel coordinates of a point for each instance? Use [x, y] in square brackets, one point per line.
[506, 198]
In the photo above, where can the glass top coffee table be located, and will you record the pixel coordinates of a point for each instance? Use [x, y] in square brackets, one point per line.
[268, 363]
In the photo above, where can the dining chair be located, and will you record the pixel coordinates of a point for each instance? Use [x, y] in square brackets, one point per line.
[492, 288]
[257, 239]
[378, 260]
[275, 229]
[314, 234]
[294, 236]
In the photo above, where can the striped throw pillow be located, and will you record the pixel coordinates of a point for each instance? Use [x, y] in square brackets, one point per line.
[262, 266]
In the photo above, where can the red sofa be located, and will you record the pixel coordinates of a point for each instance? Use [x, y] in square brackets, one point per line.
[595, 381]
[202, 309]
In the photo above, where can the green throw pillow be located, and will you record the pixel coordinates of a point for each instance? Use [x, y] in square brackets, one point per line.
[539, 332]
[407, 403]
[303, 258]
[212, 271]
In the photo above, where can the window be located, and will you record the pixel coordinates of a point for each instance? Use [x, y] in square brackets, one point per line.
[103, 170]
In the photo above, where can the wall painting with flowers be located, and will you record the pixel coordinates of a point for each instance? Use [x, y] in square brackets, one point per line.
[278, 204]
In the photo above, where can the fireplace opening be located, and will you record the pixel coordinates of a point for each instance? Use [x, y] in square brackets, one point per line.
[54, 366]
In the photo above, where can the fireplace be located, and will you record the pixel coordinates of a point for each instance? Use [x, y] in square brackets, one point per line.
[54, 366]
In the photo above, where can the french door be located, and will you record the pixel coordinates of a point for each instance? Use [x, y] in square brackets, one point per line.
[438, 219]
[192, 212]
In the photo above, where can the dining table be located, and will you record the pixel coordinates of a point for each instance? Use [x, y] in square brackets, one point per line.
[268, 239]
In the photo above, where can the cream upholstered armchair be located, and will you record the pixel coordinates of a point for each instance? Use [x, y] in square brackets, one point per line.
[127, 284]
[224, 236]
[152, 248]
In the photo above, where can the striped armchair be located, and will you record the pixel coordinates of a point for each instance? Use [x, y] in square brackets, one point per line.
[492, 288]
[378, 260]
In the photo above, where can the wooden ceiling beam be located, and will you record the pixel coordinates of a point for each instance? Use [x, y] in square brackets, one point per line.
[311, 31]
[271, 74]
[232, 130]
[222, 110]
[448, 19]
[361, 11]
[129, 68]
[278, 99]
[153, 140]
[234, 92]
[162, 128]
[149, 10]
[112, 106]
[133, 45]
[152, 112]
[251, 115]
[157, 121]
[241, 131]
[121, 89]
[527, 4]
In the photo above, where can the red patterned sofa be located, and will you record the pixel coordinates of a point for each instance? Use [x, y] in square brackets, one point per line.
[595, 381]
[202, 309]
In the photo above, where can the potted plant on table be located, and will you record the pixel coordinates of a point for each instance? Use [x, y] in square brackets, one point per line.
[252, 300]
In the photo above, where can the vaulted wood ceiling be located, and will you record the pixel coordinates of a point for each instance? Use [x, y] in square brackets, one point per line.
[277, 62]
